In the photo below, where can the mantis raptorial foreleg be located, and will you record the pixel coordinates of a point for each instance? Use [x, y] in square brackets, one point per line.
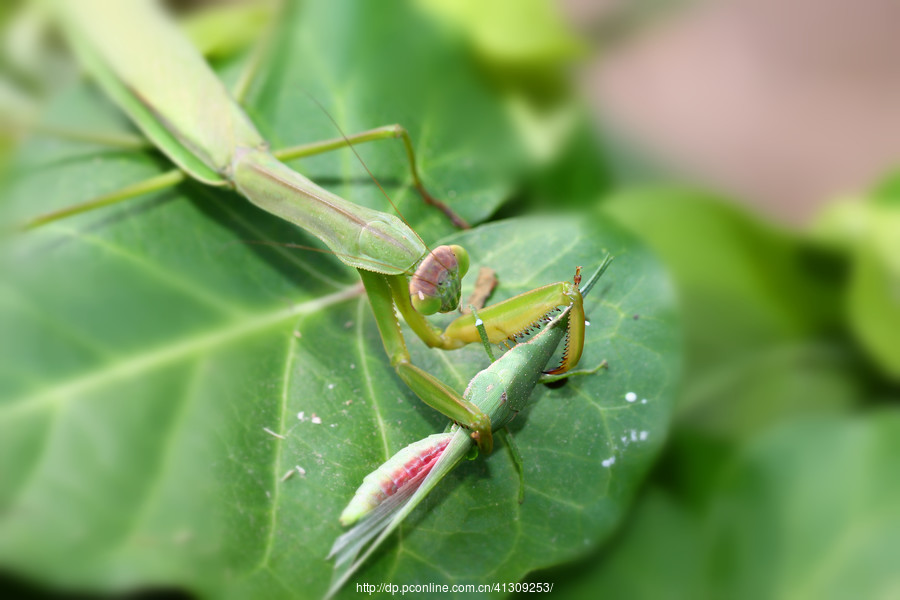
[440, 397]
[500, 391]
[427, 388]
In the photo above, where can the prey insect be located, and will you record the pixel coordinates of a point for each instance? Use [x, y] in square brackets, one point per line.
[392, 491]
[154, 74]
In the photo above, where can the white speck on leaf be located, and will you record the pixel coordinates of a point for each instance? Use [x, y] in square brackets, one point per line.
[288, 475]
[630, 396]
[315, 419]
[330, 386]
[644, 401]
[644, 435]
[633, 435]
[301, 470]
[300, 415]
[609, 461]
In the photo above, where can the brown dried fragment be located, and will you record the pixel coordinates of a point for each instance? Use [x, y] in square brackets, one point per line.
[484, 287]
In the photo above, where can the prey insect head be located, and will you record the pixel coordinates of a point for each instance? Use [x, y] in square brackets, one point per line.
[437, 282]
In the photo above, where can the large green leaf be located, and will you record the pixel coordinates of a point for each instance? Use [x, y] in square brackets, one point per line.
[139, 439]
[147, 348]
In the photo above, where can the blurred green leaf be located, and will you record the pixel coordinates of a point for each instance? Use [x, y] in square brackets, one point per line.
[759, 309]
[148, 347]
[778, 382]
[523, 49]
[810, 511]
[511, 31]
[874, 304]
[219, 30]
[805, 511]
[574, 179]
[868, 230]
[715, 248]
[658, 556]
[887, 191]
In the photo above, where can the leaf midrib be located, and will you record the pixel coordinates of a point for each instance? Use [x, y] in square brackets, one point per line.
[143, 362]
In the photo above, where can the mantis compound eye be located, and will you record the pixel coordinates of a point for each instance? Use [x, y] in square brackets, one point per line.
[436, 284]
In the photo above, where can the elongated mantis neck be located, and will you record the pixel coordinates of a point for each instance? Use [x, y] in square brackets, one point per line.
[363, 238]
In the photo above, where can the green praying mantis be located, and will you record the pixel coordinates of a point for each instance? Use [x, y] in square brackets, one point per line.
[154, 74]
[390, 493]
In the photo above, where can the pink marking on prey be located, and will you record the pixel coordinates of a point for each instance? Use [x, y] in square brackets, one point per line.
[401, 474]
[417, 465]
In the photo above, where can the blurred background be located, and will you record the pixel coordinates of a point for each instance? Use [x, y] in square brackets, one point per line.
[752, 144]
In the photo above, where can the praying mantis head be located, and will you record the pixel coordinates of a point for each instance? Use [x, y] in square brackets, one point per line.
[436, 284]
